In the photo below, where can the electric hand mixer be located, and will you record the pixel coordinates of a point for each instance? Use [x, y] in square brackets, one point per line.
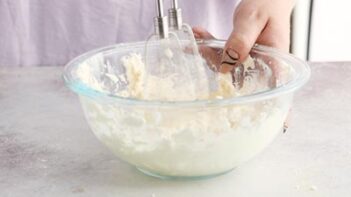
[171, 53]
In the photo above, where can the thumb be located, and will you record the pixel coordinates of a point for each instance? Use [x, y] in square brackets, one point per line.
[248, 24]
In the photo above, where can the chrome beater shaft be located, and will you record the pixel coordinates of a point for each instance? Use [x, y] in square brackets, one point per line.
[161, 21]
[175, 16]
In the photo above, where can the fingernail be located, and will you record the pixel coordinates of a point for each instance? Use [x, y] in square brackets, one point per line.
[287, 122]
[229, 60]
[285, 127]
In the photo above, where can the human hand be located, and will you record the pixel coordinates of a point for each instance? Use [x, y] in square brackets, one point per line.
[266, 22]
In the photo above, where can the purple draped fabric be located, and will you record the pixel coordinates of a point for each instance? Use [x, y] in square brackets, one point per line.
[51, 32]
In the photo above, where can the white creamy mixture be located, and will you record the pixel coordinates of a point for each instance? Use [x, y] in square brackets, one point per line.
[174, 141]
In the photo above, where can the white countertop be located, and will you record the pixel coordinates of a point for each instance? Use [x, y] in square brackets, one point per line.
[47, 148]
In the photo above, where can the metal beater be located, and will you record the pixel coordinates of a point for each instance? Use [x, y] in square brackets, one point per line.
[171, 52]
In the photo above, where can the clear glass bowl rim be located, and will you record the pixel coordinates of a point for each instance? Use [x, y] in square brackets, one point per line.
[302, 69]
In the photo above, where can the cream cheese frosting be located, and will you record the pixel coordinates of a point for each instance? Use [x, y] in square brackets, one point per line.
[193, 141]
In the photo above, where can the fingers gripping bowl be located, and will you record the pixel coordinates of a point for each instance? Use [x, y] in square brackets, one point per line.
[197, 138]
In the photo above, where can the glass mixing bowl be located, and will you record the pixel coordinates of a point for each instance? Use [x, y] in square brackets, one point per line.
[186, 139]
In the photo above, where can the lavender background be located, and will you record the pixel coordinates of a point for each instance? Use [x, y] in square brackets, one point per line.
[51, 32]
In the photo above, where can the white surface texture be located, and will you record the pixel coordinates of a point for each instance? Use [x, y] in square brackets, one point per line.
[331, 30]
[47, 149]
